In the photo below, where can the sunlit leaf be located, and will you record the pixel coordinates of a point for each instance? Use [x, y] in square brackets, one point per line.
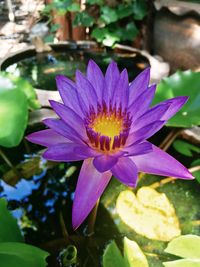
[13, 117]
[133, 254]
[9, 230]
[185, 148]
[148, 213]
[179, 84]
[182, 263]
[185, 246]
[21, 255]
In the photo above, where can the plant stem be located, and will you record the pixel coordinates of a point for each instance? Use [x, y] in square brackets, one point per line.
[92, 219]
[63, 228]
[6, 159]
[170, 138]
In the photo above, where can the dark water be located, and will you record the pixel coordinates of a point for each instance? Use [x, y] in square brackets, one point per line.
[40, 193]
[42, 199]
[41, 69]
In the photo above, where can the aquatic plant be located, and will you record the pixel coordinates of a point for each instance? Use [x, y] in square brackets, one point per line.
[105, 121]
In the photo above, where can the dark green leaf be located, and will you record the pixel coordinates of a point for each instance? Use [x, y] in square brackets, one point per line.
[185, 148]
[99, 34]
[95, 2]
[21, 255]
[55, 27]
[112, 256]
[179, 84]
[140, 9]
[9, 230]
[196, 173]
[75, 7]
[108, 15]
[83, 19]
[124, 11]
[49, 38]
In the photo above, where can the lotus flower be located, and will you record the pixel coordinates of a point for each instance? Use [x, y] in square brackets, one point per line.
[105, 121]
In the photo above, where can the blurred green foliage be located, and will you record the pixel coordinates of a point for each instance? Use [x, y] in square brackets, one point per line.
[13, 252]
[108, 22]
[17, 96]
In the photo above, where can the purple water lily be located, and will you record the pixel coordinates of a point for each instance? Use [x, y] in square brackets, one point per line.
[105, 121]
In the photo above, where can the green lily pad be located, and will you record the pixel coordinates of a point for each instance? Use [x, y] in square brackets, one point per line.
[112, 256]
[13, 117]
[185, 148]
[182, 84]
[133, 255]
[187, 247]
[21, 255]
[9, 230]
[9, 81]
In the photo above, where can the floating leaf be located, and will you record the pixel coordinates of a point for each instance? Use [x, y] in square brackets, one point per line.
[21, 255]
[148, 213]
[182, 263]
[133, 255]
[185, 246]
[185, 148]
[112, 256]
[9, 230]
[182, 83]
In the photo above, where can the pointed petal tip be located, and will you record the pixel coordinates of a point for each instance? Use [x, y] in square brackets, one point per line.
[59, 77]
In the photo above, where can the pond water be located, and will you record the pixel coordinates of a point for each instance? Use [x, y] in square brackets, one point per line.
[42, 201]
[42, 68]
[40, 193]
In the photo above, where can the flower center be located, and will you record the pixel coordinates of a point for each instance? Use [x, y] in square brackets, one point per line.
[108, 128]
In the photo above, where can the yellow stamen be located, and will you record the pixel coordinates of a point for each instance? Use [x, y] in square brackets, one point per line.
[110, 126]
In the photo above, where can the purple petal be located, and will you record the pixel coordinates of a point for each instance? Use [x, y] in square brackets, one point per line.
[111, 79]
[152, 115]
[96, 78]
[47, 138]
[120, 95]
[160, 163]
[138, 149]
[68, 93]
[175, 105]
[105, 162]
[139, 85]
[61, 128]
[68, 152]
[144, 133]
[142, 103]
[126, 171]
[89, 188]
[86, 91]
[71, 118]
